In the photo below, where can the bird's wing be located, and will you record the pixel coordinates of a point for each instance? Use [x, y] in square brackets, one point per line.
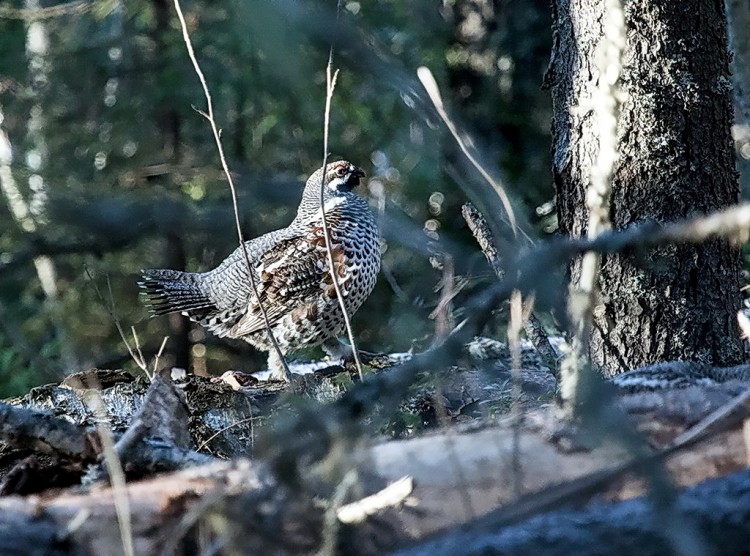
[291, 276]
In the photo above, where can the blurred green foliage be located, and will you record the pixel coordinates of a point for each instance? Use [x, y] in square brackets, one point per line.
[103, 118]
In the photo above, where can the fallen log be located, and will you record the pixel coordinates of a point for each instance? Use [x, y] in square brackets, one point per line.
[457, 477]
[712, 517]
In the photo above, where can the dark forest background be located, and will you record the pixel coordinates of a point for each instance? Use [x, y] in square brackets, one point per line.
[101, 146]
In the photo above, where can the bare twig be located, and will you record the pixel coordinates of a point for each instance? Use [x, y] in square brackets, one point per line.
[136, 355]
[158, 354]
[433, 91]
[119, 488]
[135, 339]
[514, 343]
[217, 139]
[443, 312]
[481, 232]
[224, 429]
[330, 86]
[532, 326]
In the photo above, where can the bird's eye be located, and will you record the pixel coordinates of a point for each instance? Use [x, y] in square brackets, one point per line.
[340, 171]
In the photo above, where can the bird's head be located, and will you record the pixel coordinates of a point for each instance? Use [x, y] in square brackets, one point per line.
[340, 176]
[338, 179]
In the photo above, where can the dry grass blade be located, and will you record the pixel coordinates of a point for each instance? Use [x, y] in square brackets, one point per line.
[136, 355]
[158, 354]
[516, 410]
[433, 91]
[114, 469]
[119, 489]
[330, 86]
[217, 139]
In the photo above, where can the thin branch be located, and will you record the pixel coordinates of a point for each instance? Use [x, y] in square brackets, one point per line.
[433, 91]
[330, 86]
[136, 341]
[532, 326]
[217, 139]
[119, 488]
[158, 355]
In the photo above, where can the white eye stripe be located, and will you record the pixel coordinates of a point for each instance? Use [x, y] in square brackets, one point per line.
[336, 182]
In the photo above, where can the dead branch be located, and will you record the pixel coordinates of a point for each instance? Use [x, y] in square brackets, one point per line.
[532, 326]
[433, 92]
[44, 433]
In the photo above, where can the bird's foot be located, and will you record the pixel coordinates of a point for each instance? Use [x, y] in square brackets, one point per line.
[337, 350]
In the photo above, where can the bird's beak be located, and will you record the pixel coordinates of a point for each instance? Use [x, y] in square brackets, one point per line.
[355, 176]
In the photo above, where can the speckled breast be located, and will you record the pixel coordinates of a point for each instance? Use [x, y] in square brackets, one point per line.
[355, 250]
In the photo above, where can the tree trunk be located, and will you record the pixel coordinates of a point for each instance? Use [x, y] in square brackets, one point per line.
[676, 160]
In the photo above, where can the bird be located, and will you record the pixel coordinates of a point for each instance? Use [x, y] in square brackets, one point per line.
[292, 275]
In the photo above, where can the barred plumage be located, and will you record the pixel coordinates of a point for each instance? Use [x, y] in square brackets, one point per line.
[291, 271]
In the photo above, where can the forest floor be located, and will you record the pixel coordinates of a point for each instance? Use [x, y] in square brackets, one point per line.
[105, 460]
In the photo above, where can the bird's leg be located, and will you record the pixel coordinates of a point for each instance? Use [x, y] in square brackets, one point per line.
[337, 349]
[276, 367]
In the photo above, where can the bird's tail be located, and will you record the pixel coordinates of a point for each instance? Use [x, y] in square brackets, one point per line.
[172, 291]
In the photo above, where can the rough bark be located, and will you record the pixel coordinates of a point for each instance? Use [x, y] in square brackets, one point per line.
[676, 160]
